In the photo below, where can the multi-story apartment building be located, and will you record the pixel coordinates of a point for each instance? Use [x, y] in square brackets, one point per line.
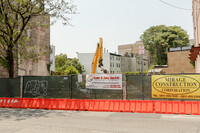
[114, 63]
[111, 62]
[134, 49]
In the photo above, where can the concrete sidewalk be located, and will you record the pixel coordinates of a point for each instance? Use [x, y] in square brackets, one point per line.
[56, 121]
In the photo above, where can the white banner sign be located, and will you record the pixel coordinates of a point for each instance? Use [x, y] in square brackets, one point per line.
[104, 81]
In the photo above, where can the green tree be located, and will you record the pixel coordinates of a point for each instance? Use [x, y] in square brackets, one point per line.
[64, 65]
[16, 16]
[60, 61]
[77, 65]
[157, 39]
[71, 70]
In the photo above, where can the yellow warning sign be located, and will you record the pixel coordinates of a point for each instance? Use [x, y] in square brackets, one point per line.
[176, 86]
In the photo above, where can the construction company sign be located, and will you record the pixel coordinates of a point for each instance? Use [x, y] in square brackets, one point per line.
[176, 86]
[104, 81]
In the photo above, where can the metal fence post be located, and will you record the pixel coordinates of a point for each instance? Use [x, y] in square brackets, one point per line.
[21, 86]
[70, 84]
[124, 87]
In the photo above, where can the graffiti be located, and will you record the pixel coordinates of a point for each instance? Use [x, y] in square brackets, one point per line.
[36, 87]
[84, 90]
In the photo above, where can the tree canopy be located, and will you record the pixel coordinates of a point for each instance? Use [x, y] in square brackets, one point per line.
[68, 66]
[157, 39]
[16, 15]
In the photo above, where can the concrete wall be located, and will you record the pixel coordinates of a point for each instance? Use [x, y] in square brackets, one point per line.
[178, 62]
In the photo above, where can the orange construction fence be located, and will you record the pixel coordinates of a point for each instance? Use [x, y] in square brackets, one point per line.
[139, 106]
[79, 105]
[177, 107]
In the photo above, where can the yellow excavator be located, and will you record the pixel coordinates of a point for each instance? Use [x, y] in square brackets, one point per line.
[98, 57]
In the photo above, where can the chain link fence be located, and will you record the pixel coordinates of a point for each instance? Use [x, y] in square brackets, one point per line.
[10, 87]
[135, 87]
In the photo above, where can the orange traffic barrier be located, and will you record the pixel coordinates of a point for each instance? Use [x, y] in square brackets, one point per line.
[127, 107]
[34, 103]
[24, 102]
[4, 102]
[132, 106]
[195, 108]
[169, 108]
[122, 106]
[91, 105]
[105, 104]
[62, 105]
[96, 105]
[67, 104]
[177, 107]
[1, 102]
[16, 103]
[87, 104]
[56, 104]
[41, 103]
[116, 105]
[74, 104]
[188, 107]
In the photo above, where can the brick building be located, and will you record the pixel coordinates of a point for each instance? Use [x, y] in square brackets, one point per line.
[134, 49]
[39, 39]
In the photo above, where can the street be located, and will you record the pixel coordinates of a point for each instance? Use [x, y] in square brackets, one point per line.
[57, 121]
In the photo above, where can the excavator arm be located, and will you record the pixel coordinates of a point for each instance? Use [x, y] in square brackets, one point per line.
[98, 57]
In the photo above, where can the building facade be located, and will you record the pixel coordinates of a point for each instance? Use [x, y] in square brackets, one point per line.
[134, 49]
[111, 62]
[196, 27]
[39, 37]
[114, 63]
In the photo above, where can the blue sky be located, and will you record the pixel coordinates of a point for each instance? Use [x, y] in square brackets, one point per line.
[118, 22]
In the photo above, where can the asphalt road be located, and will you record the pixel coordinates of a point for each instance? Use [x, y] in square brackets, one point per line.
[56, 121]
